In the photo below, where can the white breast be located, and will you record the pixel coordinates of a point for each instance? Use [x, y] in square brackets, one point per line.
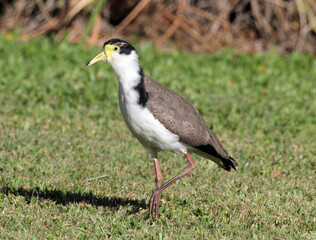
[148, 130]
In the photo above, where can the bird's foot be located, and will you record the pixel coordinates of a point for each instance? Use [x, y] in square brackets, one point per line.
[154, 203]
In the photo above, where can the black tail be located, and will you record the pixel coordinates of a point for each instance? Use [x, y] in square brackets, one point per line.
[229, 163]
[223, 160]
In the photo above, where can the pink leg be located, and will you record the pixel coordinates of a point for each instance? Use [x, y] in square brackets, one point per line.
[154, 200]
[158, 180]
[158, 173]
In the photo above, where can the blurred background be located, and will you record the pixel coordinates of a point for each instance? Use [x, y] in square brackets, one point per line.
[191, 25]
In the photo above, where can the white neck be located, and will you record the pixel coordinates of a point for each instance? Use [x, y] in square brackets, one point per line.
[127, 69]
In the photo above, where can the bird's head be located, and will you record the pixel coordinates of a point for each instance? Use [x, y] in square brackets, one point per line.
[116, 52]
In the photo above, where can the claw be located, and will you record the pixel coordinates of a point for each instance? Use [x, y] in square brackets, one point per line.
[154, 203]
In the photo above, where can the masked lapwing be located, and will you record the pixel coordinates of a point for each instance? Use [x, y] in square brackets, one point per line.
[159, 118]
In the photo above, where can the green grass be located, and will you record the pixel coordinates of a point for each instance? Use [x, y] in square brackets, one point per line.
[60, 125]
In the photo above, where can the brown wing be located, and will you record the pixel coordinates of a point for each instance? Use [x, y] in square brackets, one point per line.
[179, 116]
[176, 113]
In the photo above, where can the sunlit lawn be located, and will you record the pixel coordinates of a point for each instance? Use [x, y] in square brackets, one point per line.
[60, 125]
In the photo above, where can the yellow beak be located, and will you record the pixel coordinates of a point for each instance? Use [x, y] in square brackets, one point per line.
[105, 56]
[98, 58]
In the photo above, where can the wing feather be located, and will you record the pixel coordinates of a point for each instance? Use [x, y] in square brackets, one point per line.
[179, 116]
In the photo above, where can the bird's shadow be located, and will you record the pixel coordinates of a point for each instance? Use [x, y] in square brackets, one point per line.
[67, 197]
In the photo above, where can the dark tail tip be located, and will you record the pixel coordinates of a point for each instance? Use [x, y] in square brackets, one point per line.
[230, 163]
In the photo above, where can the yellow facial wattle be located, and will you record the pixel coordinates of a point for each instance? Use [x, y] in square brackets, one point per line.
[105, 55]
[110, 49]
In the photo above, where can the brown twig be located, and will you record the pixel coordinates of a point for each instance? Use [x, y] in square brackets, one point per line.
[20, 8]
[223, 15]
[43, 9]
[261, 21]
[198, 37]
[132, 15]
[279, 3]
[223, 23]
[43, 29]
[246, 25]
[175, 23]
[74, 8]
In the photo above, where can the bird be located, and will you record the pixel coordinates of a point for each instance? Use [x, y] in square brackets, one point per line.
[159, 118]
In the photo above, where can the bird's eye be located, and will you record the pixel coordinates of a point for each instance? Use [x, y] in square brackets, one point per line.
[116, 48]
